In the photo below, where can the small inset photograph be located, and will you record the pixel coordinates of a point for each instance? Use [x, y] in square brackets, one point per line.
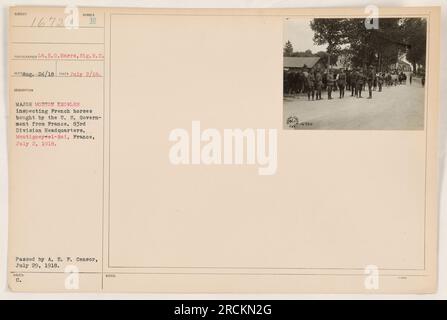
[354, 73]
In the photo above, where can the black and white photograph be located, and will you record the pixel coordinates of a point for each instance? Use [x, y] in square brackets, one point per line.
[354, 73]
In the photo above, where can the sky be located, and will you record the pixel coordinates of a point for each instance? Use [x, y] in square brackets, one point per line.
[298, 31]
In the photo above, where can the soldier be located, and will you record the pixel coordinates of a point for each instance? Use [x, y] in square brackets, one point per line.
[380, 77]
[310, 84]
[359, 82]
[353, 83]
[304, 77]
[341, 81]
[318, 83]
[330, 84]
[300, 81]
[370, 76]
[389, 79]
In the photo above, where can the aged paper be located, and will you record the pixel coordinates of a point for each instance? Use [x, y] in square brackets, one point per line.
[156, 151]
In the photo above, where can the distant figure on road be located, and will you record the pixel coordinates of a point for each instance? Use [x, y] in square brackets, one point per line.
[388, 79]
[341, 82]
[411, 78]
[348, 80]
[370, 76]
[318, 83]
[360, 82]
[310, 83]
[330, 84]
[402, 78]
[353, 83]
[305, 75]
[380, 79]
[394, 79]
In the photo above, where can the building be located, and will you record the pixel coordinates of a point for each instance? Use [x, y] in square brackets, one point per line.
[404, 66]
[298, 63]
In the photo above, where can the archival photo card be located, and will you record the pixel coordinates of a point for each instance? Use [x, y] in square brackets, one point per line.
[152, 150]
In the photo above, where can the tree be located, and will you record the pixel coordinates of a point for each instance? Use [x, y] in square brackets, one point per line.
[415, 30]
[288, 49]
[330, 32]
[379, 47]
[327, 59]
[307, 53]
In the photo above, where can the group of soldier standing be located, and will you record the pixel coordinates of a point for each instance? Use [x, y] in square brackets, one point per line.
[355, 80]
